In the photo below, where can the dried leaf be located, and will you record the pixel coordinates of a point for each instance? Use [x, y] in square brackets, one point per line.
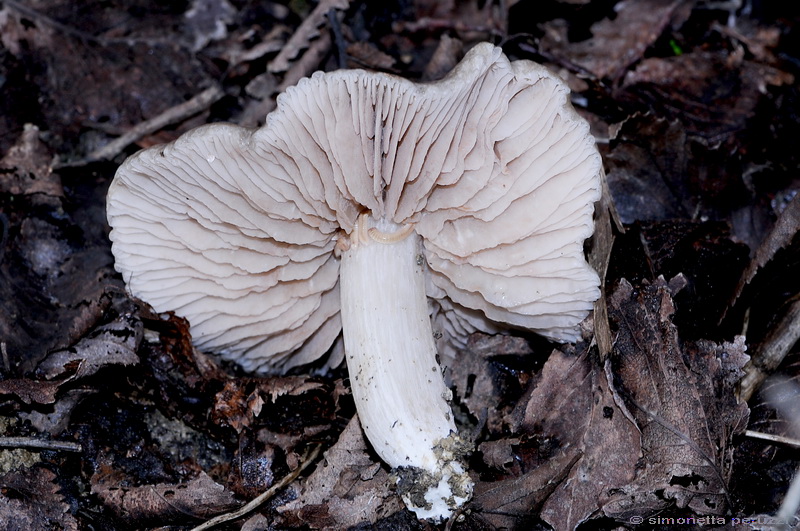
[712, 93]
[445, 57]
[619, 42]
[121, 79]
[347, 489]
[30, 391]
[506, 503]
[482, 384]
[304, 34]
[27, 169]
[112, 344]
[283, 405]
[201, 497]
[366, 54]
[785, 231]
[683, 400]
[573, 404]
[647, 168]
[31, 499]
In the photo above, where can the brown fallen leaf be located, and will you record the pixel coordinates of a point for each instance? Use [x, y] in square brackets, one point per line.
[647, 167]
[574, 404]
[713, 94]
[769, 294]
[683, 401]
[50, 270]
[786, 229]
[111, 344]
[305, 33]
[199, 498]
[509, 503]
[619, 42]
[30, 391]
[349, 487]
[483, 387]
[240, 403]
[26, 168]
[31, 499]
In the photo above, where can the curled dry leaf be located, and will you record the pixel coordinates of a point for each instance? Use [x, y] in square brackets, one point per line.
[682, 399]
[293, 403]
[112, 344]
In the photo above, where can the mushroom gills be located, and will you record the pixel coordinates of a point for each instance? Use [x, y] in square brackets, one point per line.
[400, 396]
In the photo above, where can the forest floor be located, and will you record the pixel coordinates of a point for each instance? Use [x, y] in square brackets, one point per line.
[681, 409]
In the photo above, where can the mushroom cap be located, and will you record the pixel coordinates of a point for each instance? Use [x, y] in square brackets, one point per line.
[234, 229]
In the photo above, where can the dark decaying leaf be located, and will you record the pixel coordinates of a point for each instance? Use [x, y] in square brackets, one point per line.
[682, 398]
[769, 292]
[30, 499]
[112, 344]
[96, 76]
[484, 378]
[647, 168]
[574, 406]
[51, 269]
[512, 503]
[347, 488]
[712, 94]
[619, 42]
[784, 235]
[272, 403]
[198, 499]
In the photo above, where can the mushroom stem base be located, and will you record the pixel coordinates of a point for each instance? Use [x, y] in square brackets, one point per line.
[397, 385]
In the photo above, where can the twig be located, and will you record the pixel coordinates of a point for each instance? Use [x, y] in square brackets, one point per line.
[3, 346]
[338, 38]
[39, 444]
[172, 115]
[772, 350]
[777, 439]
[256, 502]
[305, 33]
[254, 114]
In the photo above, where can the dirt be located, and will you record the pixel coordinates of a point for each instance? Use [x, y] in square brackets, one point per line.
[111, 419]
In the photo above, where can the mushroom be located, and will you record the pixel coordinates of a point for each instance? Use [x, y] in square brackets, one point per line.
[391, 212]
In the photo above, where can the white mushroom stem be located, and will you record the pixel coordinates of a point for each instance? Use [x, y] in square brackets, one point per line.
[400, 396]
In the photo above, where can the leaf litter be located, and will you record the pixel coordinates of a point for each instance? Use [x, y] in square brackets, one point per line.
[695, 107]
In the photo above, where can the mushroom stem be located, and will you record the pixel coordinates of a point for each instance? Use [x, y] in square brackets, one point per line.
[399, 392]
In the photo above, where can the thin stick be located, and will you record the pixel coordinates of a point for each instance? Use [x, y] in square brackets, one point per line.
[256, 502]
[172, 115]
[778, 439]
[39, 444]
